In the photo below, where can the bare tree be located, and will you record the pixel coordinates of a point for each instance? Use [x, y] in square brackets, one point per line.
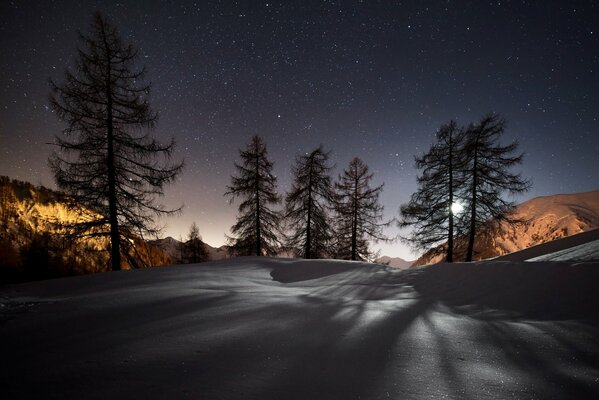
[107, 161]
[489, 175]
[358, 212]
[307, 205]
[431, 209]
[257, 224]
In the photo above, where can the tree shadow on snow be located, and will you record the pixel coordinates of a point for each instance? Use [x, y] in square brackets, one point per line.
[456, 331]
[540, 291]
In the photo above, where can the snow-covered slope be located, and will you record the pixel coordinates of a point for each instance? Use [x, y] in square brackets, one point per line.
[548, 218]
[259, 328]
[582, 247]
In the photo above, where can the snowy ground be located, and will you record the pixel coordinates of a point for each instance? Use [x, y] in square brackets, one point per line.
[582, 247]
[282, 329]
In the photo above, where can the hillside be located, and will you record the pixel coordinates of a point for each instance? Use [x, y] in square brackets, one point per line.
[33, 243]
[263, 328]
[548, 218]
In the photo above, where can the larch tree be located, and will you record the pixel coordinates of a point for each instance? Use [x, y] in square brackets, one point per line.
[257, 226]
[489, 176]
[359, 214]
[308, 203]
[107, 161]
[432, 208]
[194, 248]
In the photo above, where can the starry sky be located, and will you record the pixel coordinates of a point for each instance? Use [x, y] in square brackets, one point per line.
[373, 79]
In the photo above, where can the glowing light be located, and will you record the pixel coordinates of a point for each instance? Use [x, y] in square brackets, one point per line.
[456, 208]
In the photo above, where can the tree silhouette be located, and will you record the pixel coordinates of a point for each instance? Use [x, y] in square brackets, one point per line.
[489, 176]
[307, 204]
[106, 161]
[194, 248]
[257, 224]
[358, 212]
[430, 211]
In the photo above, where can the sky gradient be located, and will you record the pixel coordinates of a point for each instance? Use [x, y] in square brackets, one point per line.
[373, 79]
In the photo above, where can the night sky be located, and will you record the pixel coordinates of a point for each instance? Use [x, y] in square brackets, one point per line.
[372, 79]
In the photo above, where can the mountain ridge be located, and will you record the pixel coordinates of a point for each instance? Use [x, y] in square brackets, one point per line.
[394, 262]
[546, 218]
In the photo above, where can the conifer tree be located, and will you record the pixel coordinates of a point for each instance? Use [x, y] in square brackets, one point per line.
[255, 231]
[307, 205]
[489, 176]
[431, 209]
[107, 161]
[194, 248]
[358, 212]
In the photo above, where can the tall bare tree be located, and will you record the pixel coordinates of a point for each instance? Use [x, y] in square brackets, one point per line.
[489, 175]
[358, 212]
[107, 161]
[255, 231]
[431, 209]
[307, 205]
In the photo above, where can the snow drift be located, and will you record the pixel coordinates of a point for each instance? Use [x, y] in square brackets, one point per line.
[301, 329]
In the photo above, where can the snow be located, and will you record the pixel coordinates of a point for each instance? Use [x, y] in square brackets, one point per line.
[261, 328]
[576, 248]
[584, 252]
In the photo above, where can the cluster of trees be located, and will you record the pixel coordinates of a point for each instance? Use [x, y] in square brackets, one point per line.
[320, 218]
[464, 177]
[107, 162]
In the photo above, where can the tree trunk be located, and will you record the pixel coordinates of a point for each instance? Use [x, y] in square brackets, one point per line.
[115, 237]
[354, 232]
[450, 230]
[258, 233]
[308, 249]
[472, 232]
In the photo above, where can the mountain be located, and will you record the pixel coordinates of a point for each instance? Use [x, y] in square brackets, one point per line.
[547, 218]
[582, 247]
[33, 243]
[173, 248]
[394, 262]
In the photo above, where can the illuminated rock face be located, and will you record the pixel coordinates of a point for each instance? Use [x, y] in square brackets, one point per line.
[30, 225]
[551, 217]
[548, 218]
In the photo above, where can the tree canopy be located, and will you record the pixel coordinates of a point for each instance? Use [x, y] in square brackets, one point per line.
[107, 160]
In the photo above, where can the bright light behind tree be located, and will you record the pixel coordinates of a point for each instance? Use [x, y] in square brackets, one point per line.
[457, 208]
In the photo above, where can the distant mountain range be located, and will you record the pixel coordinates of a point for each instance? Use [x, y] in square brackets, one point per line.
[394, 262]
[174, 249]
[548, 218]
